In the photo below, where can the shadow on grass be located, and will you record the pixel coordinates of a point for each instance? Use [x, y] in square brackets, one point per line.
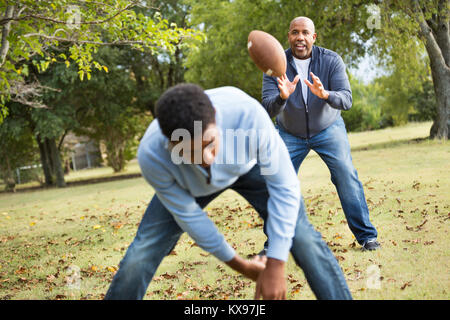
[79, 182]
[389, 144]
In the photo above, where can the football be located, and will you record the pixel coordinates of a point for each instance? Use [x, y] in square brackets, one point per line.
[267, 53]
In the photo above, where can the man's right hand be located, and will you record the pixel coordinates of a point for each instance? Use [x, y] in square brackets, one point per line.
[287, 87]
[251, 268]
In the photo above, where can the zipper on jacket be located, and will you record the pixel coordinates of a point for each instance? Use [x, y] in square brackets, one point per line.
[208, 178]
[306, 105]
[307, 121]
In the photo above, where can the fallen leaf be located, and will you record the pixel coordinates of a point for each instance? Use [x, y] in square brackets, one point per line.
[406, 284]
[296, 288]
[111, 269]
[21, 270]
[169, 276]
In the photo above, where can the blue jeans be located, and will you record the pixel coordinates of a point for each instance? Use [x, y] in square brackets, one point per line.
[158, 234]
[333, 147]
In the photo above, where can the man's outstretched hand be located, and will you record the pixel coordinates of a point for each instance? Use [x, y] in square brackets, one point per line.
[287, 87]
[271, 284]
[317, 87]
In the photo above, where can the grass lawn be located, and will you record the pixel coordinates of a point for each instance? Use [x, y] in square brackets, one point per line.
[67, 243]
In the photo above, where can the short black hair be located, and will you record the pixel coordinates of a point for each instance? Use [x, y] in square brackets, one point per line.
[180, 106]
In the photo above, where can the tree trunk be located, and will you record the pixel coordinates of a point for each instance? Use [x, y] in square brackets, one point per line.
[46, 167]
[441, 124]
[115, 151]
[434, 33]
[56, 159]
[9, 176]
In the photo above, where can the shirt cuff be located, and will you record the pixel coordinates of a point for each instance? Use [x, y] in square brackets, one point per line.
[225, 252]
[279, 248]
[333, 99]
[280, 100]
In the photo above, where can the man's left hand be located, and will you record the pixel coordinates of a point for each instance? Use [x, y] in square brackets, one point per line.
[317, 87]
[271, 284]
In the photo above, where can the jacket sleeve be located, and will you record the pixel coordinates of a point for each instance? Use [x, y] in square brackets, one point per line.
[339, 86]
[271, 99]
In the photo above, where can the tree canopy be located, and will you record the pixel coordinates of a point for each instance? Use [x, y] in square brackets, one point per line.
[41, 28]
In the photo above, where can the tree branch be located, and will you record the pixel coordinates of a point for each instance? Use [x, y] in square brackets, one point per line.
[62, 139]
[29, 93]
[443, 28]
[71, 40]
[39, 17]
[5, 33]
[433, 49]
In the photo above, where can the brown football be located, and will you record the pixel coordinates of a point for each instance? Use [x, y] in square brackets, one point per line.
[267, 53]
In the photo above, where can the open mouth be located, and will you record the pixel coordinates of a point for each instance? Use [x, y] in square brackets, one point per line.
[300, 47]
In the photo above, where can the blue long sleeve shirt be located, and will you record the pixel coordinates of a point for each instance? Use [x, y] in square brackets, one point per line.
[177, 185]
[306, 120]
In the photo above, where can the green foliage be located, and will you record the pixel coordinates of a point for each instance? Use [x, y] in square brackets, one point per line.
[17, 149]
[365, 113]
[407, 91]
[82, 27]
[112, 114]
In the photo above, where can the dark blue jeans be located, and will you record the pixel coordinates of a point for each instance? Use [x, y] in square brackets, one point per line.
[158, 233]
[333, 147]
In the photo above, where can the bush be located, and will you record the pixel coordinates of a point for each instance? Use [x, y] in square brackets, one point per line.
[365, 113]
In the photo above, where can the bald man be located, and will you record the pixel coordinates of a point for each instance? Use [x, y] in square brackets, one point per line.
[307, 102]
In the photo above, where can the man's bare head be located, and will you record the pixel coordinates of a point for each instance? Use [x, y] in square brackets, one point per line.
[301, 36]
[304, 20]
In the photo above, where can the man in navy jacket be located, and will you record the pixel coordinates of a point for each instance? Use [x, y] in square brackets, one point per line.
[307, 103]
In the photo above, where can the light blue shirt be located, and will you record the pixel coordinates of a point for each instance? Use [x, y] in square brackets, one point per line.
[177, 185]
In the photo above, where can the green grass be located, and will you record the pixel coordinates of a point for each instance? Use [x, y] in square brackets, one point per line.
[45, 234]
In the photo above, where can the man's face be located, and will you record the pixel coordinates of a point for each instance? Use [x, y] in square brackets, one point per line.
[201, 150]
[301, 38]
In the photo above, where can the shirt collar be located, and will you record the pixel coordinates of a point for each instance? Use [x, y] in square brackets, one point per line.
[290, 56]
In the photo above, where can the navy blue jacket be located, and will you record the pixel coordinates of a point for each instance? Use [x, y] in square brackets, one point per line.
[305, 121]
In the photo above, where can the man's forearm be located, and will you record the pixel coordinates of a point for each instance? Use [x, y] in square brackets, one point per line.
[273, 104]
[271, 99]
[341, 100]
